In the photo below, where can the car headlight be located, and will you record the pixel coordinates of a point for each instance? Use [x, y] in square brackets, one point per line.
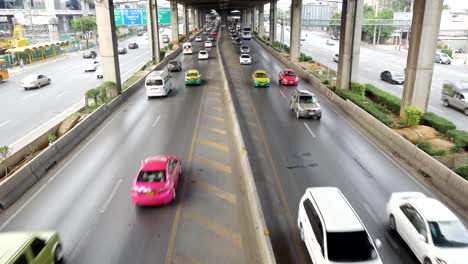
[440, 261]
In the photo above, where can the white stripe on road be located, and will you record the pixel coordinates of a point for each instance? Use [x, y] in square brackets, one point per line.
[440, 111]
[4, 123]
[282, 94]
[61, 94]
[29, 95]
[156, 121]
[310, 130]
[109, 199]
[371, 213]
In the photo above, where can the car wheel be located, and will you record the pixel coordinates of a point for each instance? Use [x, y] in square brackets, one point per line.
[298, 115]
[427, 261]
[446, 103]
[465, 111]
[302, 232]
[58, 254]
[319, 117]
[291, 106]
[392, 223]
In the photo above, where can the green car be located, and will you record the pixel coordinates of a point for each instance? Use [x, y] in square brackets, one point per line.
[41, 247]
[192, 77]
[260, 78]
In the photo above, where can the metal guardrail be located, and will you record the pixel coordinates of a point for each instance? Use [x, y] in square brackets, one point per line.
[365, 22]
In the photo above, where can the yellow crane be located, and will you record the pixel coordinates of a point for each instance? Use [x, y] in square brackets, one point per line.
[16, 39]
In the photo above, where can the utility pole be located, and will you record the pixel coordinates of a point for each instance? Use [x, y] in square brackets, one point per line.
[30, 21]
[375, 15]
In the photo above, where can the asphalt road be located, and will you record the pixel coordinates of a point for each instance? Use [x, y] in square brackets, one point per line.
[87, 196]
[374, 60]
[23, 111]
[288, 155]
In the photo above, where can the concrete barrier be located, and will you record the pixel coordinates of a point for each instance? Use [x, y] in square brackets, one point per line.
[14, 186]
[257, 219]
[443, 178]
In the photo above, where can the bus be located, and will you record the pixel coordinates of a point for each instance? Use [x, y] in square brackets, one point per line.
[3, 71]
[246, 33]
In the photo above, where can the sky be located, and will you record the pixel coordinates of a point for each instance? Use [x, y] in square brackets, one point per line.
[457, 4]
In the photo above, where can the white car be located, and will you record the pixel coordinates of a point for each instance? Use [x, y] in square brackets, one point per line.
[99, 73]
[92, 66]
[210, 38]
[336, 58]
[244, 49]
[35, 81]
[198, 39]
[330, 42]
[245, 59]
[429, 228]
[208, 44]
[203, 55]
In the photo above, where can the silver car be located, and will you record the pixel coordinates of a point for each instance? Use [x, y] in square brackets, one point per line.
[35, 81]
[455, 94]
[305, 104]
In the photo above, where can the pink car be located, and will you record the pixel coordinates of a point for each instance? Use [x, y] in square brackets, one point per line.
[156, 181]
[288, 77]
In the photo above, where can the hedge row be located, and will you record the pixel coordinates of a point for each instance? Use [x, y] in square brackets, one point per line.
[462, 171]
[427, 147]
[438, 123]
[460, 138]
[393, 103]
[370, 107]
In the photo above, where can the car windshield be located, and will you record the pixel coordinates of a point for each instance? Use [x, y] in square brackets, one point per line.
[443, 55]
[261, 75]
[154, 82]
[307, 99]
[350, 246]
[289, 73]
[397, 74]
[465, 95]
[30, 78]
[449, 234]
[192, 74]
[203, 52]
[245, 56]
[173, 63]
[152, 176]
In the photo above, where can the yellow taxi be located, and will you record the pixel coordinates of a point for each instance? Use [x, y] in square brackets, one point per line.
[192, 77]
[260, 78]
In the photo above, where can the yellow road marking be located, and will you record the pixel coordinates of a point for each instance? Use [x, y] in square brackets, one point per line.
[215, 130]
[216, 228]
[217, 118]
[180, 259]
[215, 145]
[175, 224]
[227, 196]
[215, 164]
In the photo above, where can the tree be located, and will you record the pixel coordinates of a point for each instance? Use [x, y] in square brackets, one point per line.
[369, 13]
[84, 24]
[334, 28]
[4, 152]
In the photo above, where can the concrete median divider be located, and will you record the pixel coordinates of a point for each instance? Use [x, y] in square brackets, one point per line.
[264, 250]
[442, 178]
[15, 185]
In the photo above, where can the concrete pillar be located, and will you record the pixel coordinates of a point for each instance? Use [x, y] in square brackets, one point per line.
[174, 21]
[273, 21]
[261, 21]
[295, 32]
[420, 61]
[193, 19]
[108, 42]
[153, 30]
[85, 7]
[186, 19]
[350, 41]
[254, 20]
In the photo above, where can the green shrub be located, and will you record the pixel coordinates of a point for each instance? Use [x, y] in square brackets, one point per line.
[162, 54]
[370, 107]
[181, 39]
[462, 171]
[304, 57]
[460, 138]
[92, 93]
[52, 138]
[326, 82]
[170, 45]
[447, 51]
[393, 103]
[358, 88]
[412, 116]
[427, 147]
[438, 123]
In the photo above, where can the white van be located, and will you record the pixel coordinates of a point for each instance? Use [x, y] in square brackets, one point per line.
[187, 48]
[158, 83]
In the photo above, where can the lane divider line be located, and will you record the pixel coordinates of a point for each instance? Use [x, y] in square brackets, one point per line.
[215, 164]
[109, 199]
[156, 121]
[310, 130]
[371, 213]
[4, 123]
[30, 95]
[216, 130]
[214, 145]
[282, 94]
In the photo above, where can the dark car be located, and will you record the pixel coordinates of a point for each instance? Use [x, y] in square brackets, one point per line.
[174, 66]
[122, 50]
[392, 77]
[89, 54]
[140, 33]
[133, 46]
[237, 41]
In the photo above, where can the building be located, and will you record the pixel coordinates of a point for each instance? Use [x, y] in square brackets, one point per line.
[314, 14]
[42, 20]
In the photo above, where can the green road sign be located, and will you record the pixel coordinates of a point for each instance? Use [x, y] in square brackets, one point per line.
[118, 16]
[143, 17]
[164, 15]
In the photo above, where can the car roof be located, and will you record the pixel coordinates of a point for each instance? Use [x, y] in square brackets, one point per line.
[304, 92]
[156, 73]
[337, 213]
[192, 71]
[260, 71]
[432, 209]
[11, 242]
[155, 163]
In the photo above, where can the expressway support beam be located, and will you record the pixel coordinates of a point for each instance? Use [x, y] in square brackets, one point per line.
[185, 11]
[197, 19]
[273, 22]
[295, 32]
[261, 21]
[108, 43]
[350, 41]
[174, 22]
[254, 20]
[420, 61]
[193, 19]
[153, 30]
